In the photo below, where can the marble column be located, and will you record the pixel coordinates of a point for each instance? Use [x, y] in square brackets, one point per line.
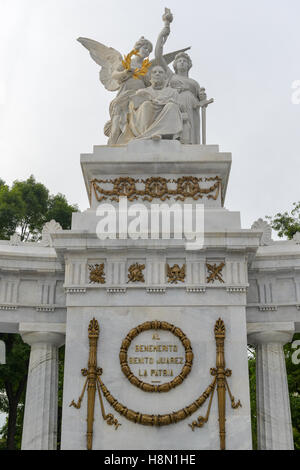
[274, 425]
[40, 419]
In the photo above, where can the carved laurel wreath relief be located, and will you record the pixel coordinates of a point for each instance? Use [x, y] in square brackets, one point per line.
[94, 383]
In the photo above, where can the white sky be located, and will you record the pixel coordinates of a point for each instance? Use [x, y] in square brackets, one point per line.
[245, 52]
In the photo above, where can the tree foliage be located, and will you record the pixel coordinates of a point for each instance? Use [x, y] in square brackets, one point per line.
[13, 377]
[293, 377]
[286, 224]
[27, 206]
[252, 384]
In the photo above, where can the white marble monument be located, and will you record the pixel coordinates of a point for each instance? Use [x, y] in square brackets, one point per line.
[155, 325]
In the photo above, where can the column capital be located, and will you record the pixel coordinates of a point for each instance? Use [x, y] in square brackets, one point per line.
[270, 332]
[39, 333]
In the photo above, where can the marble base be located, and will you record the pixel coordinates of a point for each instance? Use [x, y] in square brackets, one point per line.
[198, 324]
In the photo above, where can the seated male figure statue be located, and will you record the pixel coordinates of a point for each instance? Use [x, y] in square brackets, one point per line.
[155, 112]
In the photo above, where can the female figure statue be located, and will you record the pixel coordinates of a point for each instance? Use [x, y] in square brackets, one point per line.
[191, 95]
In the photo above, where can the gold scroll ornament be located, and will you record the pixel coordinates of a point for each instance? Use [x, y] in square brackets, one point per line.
[94, 381]
[156, 325]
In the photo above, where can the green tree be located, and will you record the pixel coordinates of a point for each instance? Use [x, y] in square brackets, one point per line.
[10, 211]
[61, 364]
[25, 208]
[252, 383]
[286, 224]
[59, 210]
[293, 377]
[13, 378]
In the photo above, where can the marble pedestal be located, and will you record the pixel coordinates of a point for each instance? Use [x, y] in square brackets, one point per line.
[193, 305]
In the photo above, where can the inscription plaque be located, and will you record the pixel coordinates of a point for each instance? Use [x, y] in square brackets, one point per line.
[156, 356]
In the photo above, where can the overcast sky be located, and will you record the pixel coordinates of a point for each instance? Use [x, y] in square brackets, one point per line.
[246, 53]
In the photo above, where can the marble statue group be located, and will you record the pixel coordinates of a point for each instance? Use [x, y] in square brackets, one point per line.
[152, 102]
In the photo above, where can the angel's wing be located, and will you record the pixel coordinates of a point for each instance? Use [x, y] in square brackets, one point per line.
[171, 56]
[108, 58]
[168, 58]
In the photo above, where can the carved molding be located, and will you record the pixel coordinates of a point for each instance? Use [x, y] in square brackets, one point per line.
[267, 308]
[116, 290]
[8, 307]
[45, 309]
[75, 290]
[241, 290]
[156, 290]
[192, 290]
[156, 188]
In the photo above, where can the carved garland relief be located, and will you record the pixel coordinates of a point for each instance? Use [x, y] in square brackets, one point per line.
[156, 188]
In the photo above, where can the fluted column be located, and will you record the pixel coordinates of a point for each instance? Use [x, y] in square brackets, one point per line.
[274, 425]
[40, 419]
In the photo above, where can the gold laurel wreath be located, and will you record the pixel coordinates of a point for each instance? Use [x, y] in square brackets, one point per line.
[156, 325]
[137, 72]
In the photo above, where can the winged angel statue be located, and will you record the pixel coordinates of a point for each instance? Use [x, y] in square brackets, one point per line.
[130, 74]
